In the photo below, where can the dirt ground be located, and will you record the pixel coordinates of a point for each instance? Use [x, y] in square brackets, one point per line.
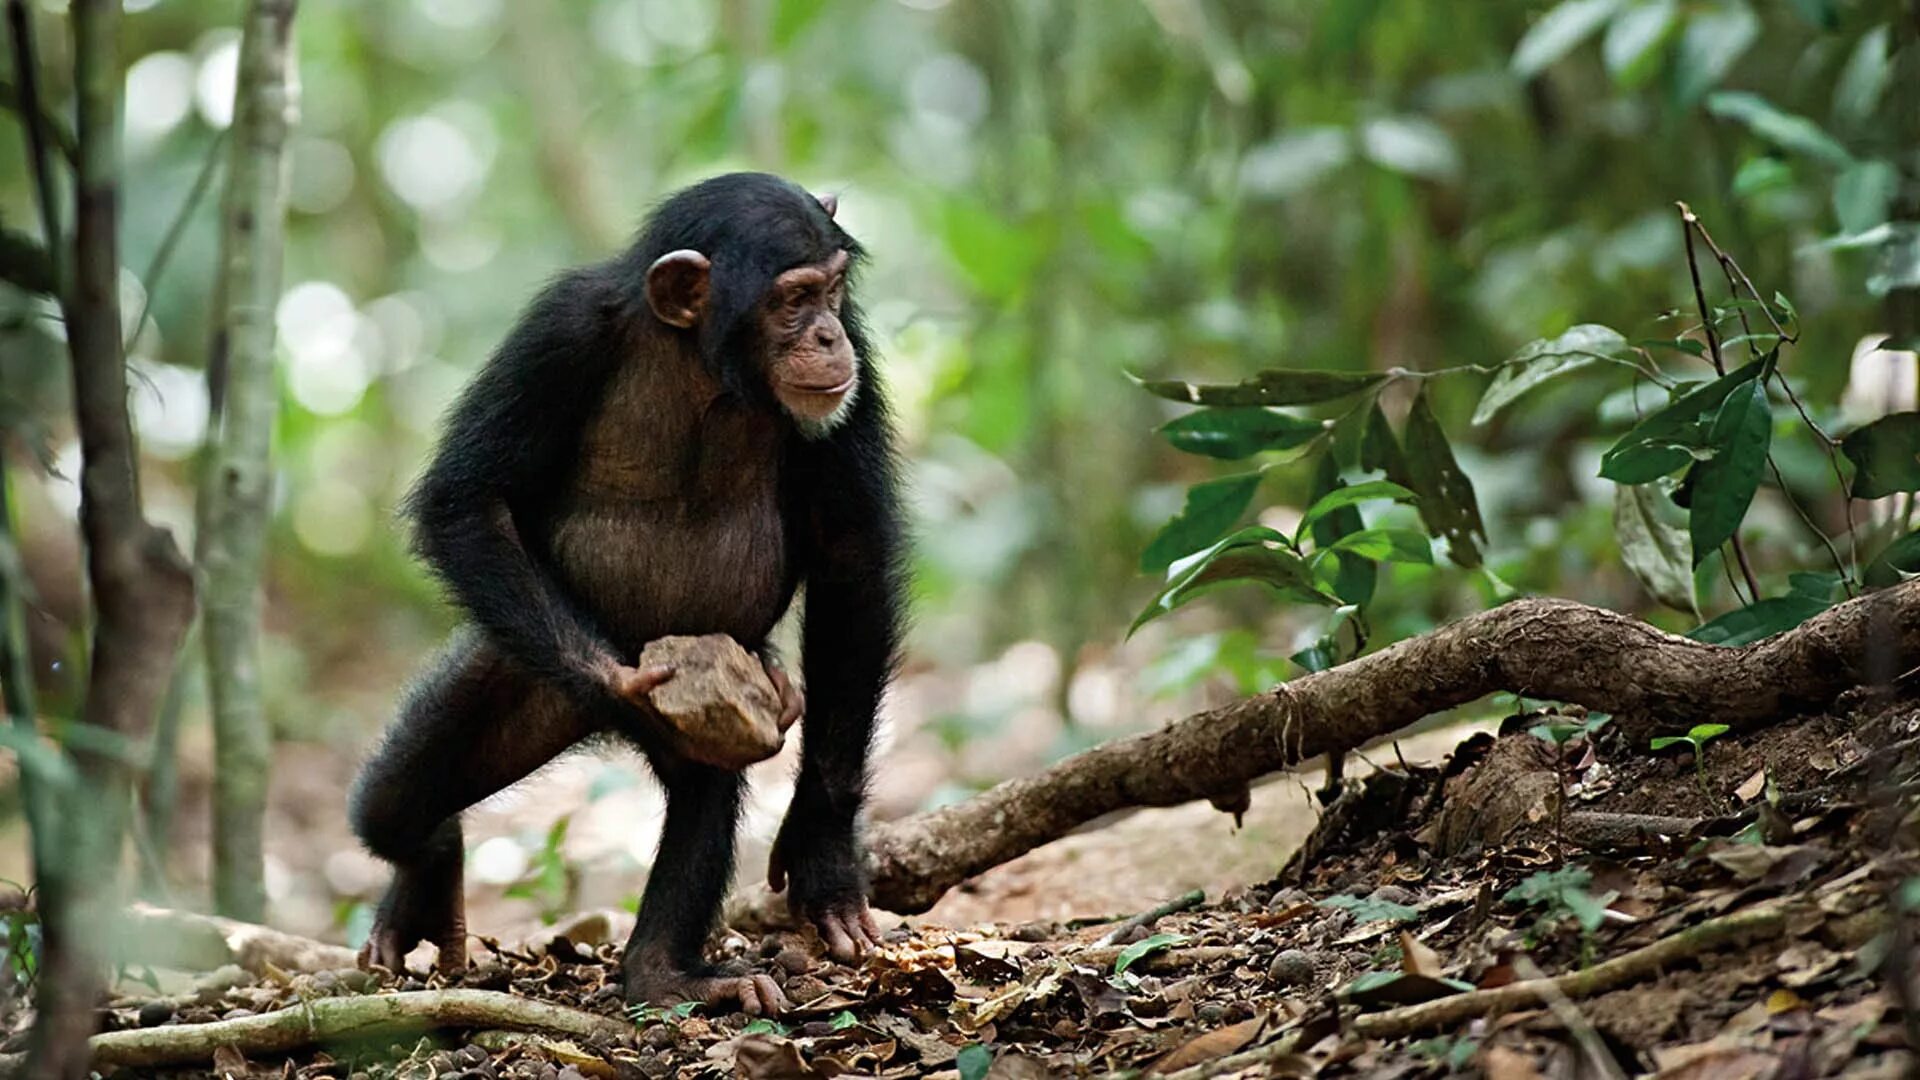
[1718, 915]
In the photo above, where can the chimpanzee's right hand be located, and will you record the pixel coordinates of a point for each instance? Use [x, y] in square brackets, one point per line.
[422, 904]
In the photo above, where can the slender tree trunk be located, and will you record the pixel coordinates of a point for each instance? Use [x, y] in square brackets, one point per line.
[238, 481]
[142, 588]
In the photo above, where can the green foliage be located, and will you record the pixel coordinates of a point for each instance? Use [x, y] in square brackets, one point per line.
[1724, 483]
[1667, 440]
[549, 881]
[1212, 508]
[1142, 949]
[1562, 894]
[1696, 737]
[1277, 387]
[1232, 433]
[973, 1062]
[643, 1015]
[1368, 909]
[1563, 730]
[1542, 361]
[1885, 456]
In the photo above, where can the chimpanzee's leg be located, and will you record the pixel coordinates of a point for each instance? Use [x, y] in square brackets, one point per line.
[663, 960]
[474, 723]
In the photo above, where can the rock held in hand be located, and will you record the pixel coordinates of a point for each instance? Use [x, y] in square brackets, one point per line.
[719, 699]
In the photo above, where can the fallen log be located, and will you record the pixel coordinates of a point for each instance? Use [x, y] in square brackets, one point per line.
[187, 941]
[1552, 650]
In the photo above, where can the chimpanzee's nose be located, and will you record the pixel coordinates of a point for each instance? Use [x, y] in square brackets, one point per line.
[826, 334]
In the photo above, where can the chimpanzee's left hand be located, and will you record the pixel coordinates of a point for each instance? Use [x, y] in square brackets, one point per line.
[827, 886]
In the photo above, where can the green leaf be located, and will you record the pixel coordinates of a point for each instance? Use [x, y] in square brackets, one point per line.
[1254, 555]
[1587, 909]
[1885, 456]
[1863, 81]
[1757, 621]
[1712, 42]
[1657, 552]
[1724, 484]
[1863, 195]
[1783, 129]
[1143, 948]
[1211, 509]
[1633, 40]
[973, 1062]
[1351, 495]
[1354, 578]
[1895, 561]
[1387, 545]
[1546, 359]
[760, 1025]
[1658, 444]
[1702, 733]
[1559, 32]
[1233, 433]
[843, 1020]
[1279, 387]
[1447, 502]
[1665, 741]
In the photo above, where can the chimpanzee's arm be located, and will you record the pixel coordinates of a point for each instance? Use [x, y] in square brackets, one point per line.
[850, 636]
[507, 445]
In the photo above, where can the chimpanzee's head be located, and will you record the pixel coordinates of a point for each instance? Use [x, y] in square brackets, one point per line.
[756, 269]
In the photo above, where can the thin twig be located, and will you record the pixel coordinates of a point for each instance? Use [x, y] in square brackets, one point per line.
[26, 68]
[1807, 520]
[1151, 915]
[1687, 224]
[175, 229]
[338, 1018]
[1753, 924]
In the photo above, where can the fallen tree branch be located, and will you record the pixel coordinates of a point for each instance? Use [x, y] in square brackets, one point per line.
[162, 937]
[329, 1019]
[1743, 927]
[1555, 650]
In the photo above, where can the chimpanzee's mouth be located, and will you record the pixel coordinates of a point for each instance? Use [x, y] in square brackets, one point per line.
[823, 391]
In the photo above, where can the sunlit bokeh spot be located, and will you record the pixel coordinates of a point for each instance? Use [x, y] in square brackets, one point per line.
[460, 14]
[950, 85]
[169, 408]
[160, 89]
[219, 69]
[320, 174]
[329, 366]
[332, 518]
[429, 163]
[686, 25]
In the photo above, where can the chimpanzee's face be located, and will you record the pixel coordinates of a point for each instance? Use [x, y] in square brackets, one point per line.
[809, 362]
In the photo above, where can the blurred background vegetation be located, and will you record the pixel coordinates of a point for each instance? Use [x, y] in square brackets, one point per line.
[1056, 195]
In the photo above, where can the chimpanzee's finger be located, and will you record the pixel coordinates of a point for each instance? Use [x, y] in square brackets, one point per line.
[776, 873]
[840, 945]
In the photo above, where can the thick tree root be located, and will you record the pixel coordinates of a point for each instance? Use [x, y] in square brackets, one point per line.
[162, 937]
[1740, 927]
[1553, 650]
[346, 1018]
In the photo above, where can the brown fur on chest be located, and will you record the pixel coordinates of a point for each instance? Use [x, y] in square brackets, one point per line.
[672, 524]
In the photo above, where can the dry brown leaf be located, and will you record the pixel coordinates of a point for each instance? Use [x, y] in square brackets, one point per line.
[228, 1061]
[1751, 788]
[1504, 1063]
[1417, 959]
[1209, 1045]
[769, 1057]
[1719, 1058]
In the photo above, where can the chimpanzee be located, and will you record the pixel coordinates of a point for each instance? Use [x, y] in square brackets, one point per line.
[670, 442]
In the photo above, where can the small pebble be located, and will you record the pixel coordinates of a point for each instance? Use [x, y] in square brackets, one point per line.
[1291, 967]
[1287, 899]
[155, 1013]
[1033, 931]
[660, 1036]
[1391, 894]
[412, 983]
[816, 1029]
[1211, 1013]
[571, 1073]
[471, 1055]
[804, 988]
[548, 1072]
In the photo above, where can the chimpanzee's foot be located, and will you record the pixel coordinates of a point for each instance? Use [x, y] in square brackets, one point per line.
[757, 995]
[418, 907]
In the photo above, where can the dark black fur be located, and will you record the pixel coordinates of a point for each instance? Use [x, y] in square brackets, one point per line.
[525, 681]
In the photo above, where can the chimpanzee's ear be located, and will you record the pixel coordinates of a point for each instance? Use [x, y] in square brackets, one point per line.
[677, 287]
[829, 202]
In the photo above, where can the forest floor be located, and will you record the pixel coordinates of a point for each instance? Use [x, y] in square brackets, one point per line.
[1718, 918]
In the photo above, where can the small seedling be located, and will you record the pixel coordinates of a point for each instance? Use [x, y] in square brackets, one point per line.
[1139, 951]
[1697, 737]
[763, 1026]
[1562, 894]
